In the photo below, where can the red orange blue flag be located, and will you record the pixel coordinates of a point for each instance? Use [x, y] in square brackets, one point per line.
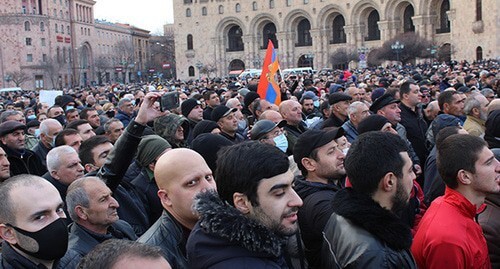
[268, 87]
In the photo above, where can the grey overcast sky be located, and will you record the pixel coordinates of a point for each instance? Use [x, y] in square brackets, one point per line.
[146, 14]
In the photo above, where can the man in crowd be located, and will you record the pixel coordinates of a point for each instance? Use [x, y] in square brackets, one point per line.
[32, 225]
[339, 103]
[69, 137]
[212, 100]
[21, 159]
[448, 235]
[450, 102]
[365, 231]
[357, 111]
[321, 162]
[270, 133]
[72, 115]
[4, 166]
[228, 123]
[191, 109]
[181, 174]
[113, 129]
[245, 224]
[64, 167]
[91, 115]
[476, 109]
[49, 129]
[125, 111]
[292, 112]
[94, 214]
[83, 127]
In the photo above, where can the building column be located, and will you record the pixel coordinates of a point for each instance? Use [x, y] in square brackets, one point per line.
[325, 52]
[249, 48]
[316, 47]
[283, 49]
[350, 32]
[424, 25]
[385, 29]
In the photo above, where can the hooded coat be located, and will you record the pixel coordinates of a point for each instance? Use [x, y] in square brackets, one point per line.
[225, 238]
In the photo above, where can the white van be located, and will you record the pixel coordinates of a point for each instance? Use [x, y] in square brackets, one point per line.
[250, 73]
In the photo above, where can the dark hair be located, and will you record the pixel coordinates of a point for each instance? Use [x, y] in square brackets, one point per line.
[74, 124]
[108, 253]
[85, 152]
[371, 156]
[445, 133]
[84, 113]
[405, 87]
[457, 152]
[206, 95]
[59, 141]
[71, 110]
[445, 97]
[257, 160]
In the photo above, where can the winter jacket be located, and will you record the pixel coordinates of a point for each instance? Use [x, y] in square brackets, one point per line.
[146, 185]
[490, 222]
[434, 185]
[449, 237]
[41, 152]
[124, 118]
[225, 238]
[350, 131]
[169, 235]
[11, 259]
[313, 215]
[292, 133]
[27, 163]
[362, 234]
[82, 241]
[416, 127]
[403, 134]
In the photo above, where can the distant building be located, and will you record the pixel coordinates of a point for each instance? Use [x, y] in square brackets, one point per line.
[47, 44]
[233, 35]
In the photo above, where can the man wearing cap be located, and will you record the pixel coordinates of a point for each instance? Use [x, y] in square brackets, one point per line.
[22, 160]
[387, 106]
[192, 110]
[228, 123]
[322, 165]
[270, 133]
[339, 103]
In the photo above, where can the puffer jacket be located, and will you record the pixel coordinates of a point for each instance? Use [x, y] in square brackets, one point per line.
[490, 222]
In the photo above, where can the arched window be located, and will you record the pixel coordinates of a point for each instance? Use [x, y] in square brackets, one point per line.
[269, 33]
[235, 41]
[444, 23]
[189, 42]
[303, 34]
[27, 26]
[221, 9]
[238, 8]
[479, 53]
[204, 11]
[408, 25]
[479, 10]
[191, 71]
[338, 33]
[373, 31]
[271, 3]
[188, 12]
[254, 6]
[42, 26]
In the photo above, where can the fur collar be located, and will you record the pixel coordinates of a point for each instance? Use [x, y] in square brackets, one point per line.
[369, 215]
[227, 222]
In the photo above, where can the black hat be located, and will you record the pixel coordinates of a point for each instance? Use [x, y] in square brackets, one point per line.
[424, 82]
[464, 89]
[188, 105]
[382, 101]
[373, 122]
[33, 123]
[207, 145]
[313, 139]
[468, 78]
[204, 126]
[262, 127]
[338, 97]
[10, 126]
[221, 111]
[250, 97]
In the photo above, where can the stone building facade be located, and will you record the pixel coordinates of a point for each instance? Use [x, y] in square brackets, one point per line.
[47, 44]
[233, 34]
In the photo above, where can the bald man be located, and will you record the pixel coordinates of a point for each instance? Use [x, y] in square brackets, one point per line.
[180, 174]
[292, 112]
[271, 115]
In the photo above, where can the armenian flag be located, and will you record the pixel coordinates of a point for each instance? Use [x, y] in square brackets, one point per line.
[268, 88]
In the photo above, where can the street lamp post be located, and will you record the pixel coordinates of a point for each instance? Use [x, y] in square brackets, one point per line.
[199, 65]
[398, 48]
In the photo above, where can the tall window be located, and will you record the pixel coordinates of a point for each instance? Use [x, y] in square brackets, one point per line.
[221, 9]
[444, 23]
[479, 10]
[234, 38]
[191, 71]
[338, 33]
[57, 28]
[188, 12]
[479, 53]
[408, 25]
[62, 29]
[58, 55]
[27, 26]
[288, 3]
[373, 30]
[238, 8]
[269, 33]
[189, 42]
[28, 41]
[254, 6]
[271, 3]
[204, 11]
[43, 42]
[67, 30]
[29, 58]
[42, 26]
[304, 36]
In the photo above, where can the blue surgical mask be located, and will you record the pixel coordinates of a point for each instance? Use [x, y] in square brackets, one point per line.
[242, 124]
[31, 117]
[316, 103]
[281, 142]
[69, 107]
[37, 133]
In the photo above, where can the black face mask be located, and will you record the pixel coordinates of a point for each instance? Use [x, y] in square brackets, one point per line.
[61, 119]
[52, 240]
[110, 113]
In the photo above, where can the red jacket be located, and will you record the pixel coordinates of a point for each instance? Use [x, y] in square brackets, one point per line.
[449, 237]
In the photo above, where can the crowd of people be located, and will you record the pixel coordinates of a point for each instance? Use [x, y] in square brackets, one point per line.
[376, 168]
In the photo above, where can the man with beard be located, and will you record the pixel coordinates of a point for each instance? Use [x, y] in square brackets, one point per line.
[244, 226]
[476, 109]
[321, 162]
[448, 235]
[32, 225]
[365, 231]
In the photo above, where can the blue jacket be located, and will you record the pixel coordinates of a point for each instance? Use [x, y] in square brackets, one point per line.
[350, 131]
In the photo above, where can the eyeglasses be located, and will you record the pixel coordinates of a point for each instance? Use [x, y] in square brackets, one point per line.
[426, 95]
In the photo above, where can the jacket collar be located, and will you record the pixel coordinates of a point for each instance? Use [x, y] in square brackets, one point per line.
[364, 212]
[462, 204]
[224, 221]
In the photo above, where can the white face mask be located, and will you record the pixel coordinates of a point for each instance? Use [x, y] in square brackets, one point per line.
[345, 151]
